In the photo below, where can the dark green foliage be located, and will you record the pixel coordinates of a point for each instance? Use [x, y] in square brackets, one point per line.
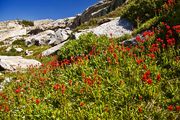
[140, 11]
[26, 23]
[19, 42]
[83, 45]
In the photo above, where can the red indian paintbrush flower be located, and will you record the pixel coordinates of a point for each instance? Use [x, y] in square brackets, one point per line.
[139, 61]
[6, 109]
[158, 77]
[144, 67]
[63, 88]
[18, 90]
[37, 101]
[140, 110]
[149, 81]
[170, 107]
[81, 104]
[56, 86]
[177, 108]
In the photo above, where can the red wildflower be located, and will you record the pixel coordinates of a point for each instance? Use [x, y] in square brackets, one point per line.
[171, 41]
[54, 63]
[63, 88]
[139, 61]
[177, 108]
[42, 79]
[138, 38]
[158, 77]
[145, 77]
[18, 90]
[42, 65]
[91, 52]
[37, 101]
[0, 107]
[176, 27]
[154, 48]
[81, 104]
[160, 40]
[115, 55]
[169, 32]
[140, 110]
[145, 34]
[167, 27]
[89, 81]
[148, 72]
[56, 86]
[170, 107]
[144, 67]
[44, 71]
[6, 109]
[149, 81]
[152, 56]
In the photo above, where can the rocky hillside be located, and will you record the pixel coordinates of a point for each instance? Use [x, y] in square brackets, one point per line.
[21, 37]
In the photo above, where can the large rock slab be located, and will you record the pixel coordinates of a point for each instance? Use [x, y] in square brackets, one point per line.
[49, 37]
[115, 28]
[54, 25]
[9, 29]
[63, 34]
[42, 38]
[16, 63]
[52, 50]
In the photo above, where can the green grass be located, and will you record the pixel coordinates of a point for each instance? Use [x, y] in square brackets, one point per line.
[19, 44]
[147, 25]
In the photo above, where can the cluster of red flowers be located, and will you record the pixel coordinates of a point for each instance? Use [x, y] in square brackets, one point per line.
[177, 28]
[146, 77]
[38, 101]
[171, 108]
[58, 86]
[88, 81]
[139, 61]
[3, 105]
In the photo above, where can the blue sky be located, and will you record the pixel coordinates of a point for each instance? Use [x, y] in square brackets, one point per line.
[41, 9]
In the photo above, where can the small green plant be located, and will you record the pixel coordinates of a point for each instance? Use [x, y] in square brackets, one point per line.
[147, 25]
[1, 43]
[20, 42]
[124, 37]
[26, 23]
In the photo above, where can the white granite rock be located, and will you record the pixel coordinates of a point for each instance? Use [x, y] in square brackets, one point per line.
[19, 49]
[52, 50]
[15, 63]
[115, 28]
[28, 53]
